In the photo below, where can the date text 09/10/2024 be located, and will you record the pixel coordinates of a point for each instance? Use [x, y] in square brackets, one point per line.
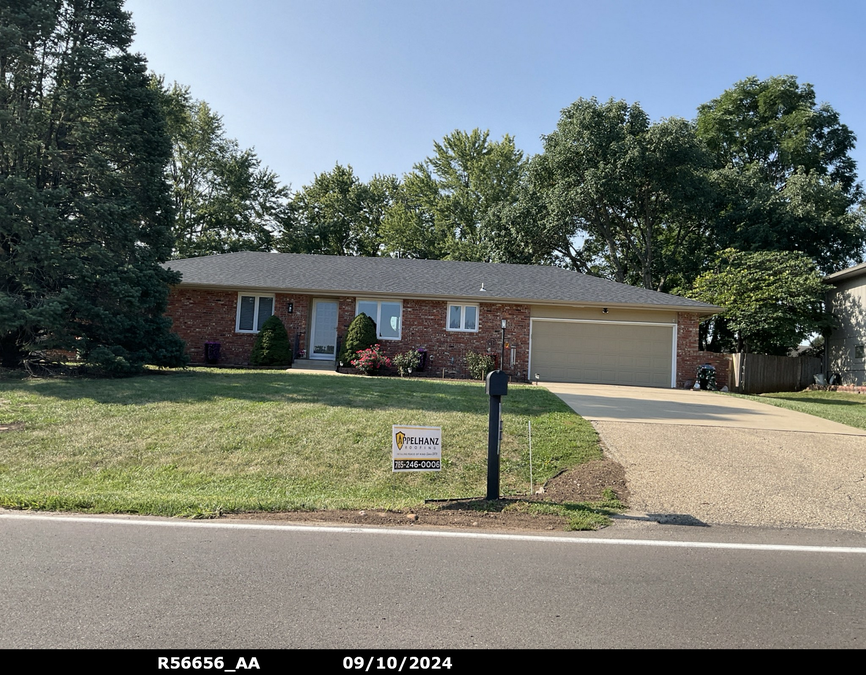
[394, 663]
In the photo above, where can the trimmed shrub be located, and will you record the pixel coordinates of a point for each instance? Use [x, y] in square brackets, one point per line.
[360, 336]
[479, 365]
[272, 346]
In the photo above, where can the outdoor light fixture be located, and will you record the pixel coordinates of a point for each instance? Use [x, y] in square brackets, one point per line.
[290, 307]
[502, 349]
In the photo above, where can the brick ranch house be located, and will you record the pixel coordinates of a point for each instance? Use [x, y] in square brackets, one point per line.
[560, 325]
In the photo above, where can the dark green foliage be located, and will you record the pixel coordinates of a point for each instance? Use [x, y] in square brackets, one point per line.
[776, 126]
[272, 346]
[446, 206]
[773, 300]
[615, 195]
[785, 178]
[224, 200]
[85, 213]
[361, 335]
[337, 214]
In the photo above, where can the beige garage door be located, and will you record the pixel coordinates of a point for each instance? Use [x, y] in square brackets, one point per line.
[601, 353]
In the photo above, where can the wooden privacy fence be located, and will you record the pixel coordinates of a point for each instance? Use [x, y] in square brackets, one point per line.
[760, 374]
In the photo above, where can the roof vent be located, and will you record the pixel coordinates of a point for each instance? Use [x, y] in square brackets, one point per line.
[482, 288]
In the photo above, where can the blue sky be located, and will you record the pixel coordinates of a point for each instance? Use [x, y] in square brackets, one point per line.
[373, 83]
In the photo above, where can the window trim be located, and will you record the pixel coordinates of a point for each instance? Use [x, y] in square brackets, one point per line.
[377, 318]
[462, 306]
[258, 297]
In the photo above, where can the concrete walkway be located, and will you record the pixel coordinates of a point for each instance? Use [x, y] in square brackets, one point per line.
[702, 458]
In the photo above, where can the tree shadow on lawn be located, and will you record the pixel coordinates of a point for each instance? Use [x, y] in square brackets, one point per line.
[815, 401]
[372, 393]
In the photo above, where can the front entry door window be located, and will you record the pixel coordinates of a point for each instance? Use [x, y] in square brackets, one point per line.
[324, 340]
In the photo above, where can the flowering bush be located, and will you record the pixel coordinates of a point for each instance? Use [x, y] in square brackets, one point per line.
[370, 360]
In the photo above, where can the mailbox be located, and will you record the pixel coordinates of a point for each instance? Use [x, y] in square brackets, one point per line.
[497, 383]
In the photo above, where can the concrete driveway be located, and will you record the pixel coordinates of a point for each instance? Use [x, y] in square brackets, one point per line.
[702, 458]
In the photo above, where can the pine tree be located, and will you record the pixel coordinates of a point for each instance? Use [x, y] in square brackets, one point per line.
[85, 212]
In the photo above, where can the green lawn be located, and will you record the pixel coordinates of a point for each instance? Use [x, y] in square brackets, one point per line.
[201, 442]
[837, 406]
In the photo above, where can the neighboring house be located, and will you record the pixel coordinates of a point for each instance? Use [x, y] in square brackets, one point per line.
[845, 353]
[559, 325]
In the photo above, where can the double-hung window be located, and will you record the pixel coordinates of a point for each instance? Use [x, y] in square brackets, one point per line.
[387, 314]
[253, 311]
[463, 318]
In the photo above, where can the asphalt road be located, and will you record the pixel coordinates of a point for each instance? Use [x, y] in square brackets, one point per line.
[146, 583]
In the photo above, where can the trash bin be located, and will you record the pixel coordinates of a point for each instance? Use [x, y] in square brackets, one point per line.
[423, 354]
[706, 377]
[211, 352]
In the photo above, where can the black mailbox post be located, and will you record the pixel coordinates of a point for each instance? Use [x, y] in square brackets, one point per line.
[496, 388]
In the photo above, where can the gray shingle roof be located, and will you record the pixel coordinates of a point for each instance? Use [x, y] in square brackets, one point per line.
[405, 278]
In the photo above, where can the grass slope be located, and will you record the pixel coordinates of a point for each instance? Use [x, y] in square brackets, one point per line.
[837, 406]
[198, 443]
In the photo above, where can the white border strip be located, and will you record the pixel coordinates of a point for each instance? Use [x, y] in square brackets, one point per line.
[550, 539]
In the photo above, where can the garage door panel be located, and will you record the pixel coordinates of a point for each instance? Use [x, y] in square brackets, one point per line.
[602, 353]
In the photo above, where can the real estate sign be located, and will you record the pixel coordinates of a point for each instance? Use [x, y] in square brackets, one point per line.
[416, 448]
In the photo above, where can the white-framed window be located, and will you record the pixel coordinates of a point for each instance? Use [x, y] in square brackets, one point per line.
[388, 315]
[463, 318]
[253, 311]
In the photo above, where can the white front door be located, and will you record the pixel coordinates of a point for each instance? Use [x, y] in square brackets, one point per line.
[323, 341]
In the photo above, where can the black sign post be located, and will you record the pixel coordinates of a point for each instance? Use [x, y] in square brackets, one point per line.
[496, 387]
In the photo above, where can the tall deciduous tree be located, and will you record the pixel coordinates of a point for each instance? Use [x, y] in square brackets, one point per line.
[224, 200]
[773, 300]
[446, 204]
[85, 213]
[616, 195]
[337, 214]
[786, 176]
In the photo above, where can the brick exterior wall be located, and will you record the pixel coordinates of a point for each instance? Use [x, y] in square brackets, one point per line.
[424, 324]
[689, 357]
[201, 316]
